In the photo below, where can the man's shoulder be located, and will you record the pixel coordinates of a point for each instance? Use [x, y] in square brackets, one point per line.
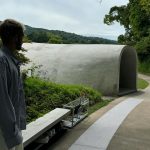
[3, 63]
[2, 57]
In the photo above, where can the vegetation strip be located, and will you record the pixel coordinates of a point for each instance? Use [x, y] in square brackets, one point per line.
[142, 84]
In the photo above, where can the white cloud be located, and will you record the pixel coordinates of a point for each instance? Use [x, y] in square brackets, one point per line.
[78, 16]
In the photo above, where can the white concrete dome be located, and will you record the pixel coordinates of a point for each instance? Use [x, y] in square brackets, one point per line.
[111, 69]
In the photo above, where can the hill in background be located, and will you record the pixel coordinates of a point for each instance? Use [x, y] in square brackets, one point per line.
[41, 35]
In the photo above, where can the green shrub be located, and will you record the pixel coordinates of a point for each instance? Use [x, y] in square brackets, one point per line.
[43, 96]
[144, 67]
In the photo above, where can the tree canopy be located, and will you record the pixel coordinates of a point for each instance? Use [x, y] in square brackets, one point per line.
[135, 18]
[145, 5]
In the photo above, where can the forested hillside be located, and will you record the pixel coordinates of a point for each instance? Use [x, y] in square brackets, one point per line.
[55, 36]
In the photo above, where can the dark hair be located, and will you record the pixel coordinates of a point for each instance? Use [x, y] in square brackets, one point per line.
[10, 28]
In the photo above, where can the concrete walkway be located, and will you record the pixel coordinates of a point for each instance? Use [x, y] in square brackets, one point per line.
[99, 135]
[132, 134]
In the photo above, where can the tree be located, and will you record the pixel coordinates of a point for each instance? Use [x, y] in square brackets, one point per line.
[20, 56]
[56, 39]
[145, 5]
[40, 37]
[26, 39]
[120, 15]
[135, 18]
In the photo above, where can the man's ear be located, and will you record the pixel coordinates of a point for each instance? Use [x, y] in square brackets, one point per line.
[15, 39]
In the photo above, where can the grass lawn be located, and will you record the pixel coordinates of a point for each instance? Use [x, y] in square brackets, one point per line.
[142, 84]
[98, 106]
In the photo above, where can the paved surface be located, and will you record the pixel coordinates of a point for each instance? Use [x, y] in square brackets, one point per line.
[133, 133]
[98, 136]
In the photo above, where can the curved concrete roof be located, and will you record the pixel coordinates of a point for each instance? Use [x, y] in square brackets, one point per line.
[110, 69]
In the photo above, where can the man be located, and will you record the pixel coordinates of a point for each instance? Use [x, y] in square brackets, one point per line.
[12, 102]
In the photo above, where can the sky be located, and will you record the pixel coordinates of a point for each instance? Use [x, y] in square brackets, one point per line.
[84, 17]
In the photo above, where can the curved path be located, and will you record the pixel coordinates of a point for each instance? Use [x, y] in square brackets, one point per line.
[132, 132]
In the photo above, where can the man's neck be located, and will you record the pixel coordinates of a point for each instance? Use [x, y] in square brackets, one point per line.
[10, 47]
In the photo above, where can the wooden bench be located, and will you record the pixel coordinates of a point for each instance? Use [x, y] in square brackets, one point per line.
[38, 127]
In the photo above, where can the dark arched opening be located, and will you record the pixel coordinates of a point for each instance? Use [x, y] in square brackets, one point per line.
[128, 71]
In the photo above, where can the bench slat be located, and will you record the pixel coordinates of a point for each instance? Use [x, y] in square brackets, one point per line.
[42, 124]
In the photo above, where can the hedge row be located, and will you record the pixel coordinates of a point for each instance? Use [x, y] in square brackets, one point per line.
[43, 96]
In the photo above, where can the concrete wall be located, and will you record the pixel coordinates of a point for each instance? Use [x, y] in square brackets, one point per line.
[111, 69]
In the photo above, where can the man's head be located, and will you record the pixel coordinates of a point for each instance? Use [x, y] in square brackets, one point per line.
[11, 33]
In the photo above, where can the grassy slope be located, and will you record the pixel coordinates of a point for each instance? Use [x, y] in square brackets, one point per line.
[142, 84]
